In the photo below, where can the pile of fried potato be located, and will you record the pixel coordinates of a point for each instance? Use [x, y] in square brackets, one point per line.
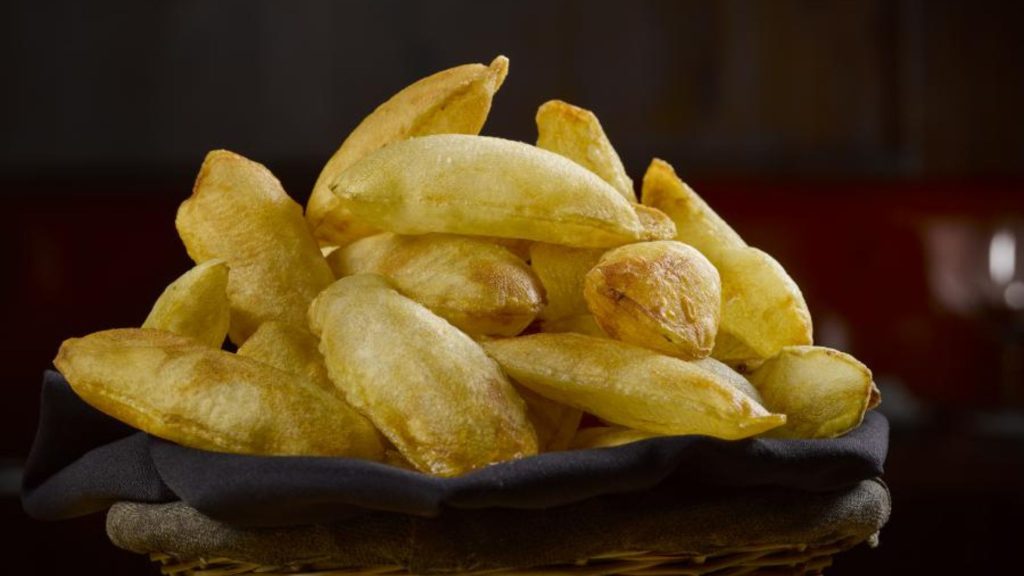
[450, 300]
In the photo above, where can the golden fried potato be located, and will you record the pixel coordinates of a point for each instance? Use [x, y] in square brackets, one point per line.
[195, 305]
[824, 393]
[763, 309]
[580, 324]
[554, 422]
[239, 212]
[656, 224]
[576, 134]
[631, 386]
[428, 387]
[696, 223]
[480, 287]
[662, 295]
[734, 378]
[187, 392]
[291, 349]
[607, 437]
[561, 270]
[454, 101]
[478, 185]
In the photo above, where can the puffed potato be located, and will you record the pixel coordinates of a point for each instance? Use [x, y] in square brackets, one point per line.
[483, 186]
[239, 212]
[561, 270]
[607, 437]
[478, 286]
[696, 223]
[823, 392]
[662, 295]
[576, 133]
[291, 349]
[631, 386]
[454, 101]
[187, 392]
[428, 387]
[554, 422]
[195, 305]
[763, 310]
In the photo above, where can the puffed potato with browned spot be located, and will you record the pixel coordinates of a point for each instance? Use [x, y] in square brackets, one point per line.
[453, 101]
[662, 295]
[195, 305]
[477, 285]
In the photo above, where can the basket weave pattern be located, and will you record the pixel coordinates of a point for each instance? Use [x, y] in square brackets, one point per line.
[765, 560]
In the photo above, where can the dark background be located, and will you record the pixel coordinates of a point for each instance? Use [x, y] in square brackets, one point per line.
[875, 147]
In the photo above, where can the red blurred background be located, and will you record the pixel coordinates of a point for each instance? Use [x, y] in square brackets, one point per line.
[875, 147]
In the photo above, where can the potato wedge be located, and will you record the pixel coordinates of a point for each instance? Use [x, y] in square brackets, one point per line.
[662, 295]
[580, 324]
[630, 386]
[291, 349]
[480, 287]
[576, 133]
[607, 437]
[483, 186]
[734, 378]
[763, 310]
[561, 270]
[187, 392]
[824, 393]
[696, 223]
[655, 224]
[456, 101]
[195, 305]
[428, 387]
[554, 422]
[238, 212]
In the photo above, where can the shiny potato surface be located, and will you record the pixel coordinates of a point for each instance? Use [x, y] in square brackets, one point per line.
[428, 387]
[195, 305]
[187, 392]
[453, 101]
[662, 295]
[484, 186]
[631, 386]
[239, 212]
[478, 286]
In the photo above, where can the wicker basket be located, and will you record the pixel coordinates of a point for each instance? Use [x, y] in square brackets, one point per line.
[725, 533]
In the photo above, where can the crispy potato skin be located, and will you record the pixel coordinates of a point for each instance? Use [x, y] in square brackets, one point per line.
[662, 295]
[428, 387]
[763, 310]
[478, 286]
[291, 349]
[454, 101]
[630, 386]
[184, 391]
[576, 133]
[239, 212]
[195, 305]
[483, 186]
[696, 223]
[562, 270]
[823, 392]
[734, 378]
